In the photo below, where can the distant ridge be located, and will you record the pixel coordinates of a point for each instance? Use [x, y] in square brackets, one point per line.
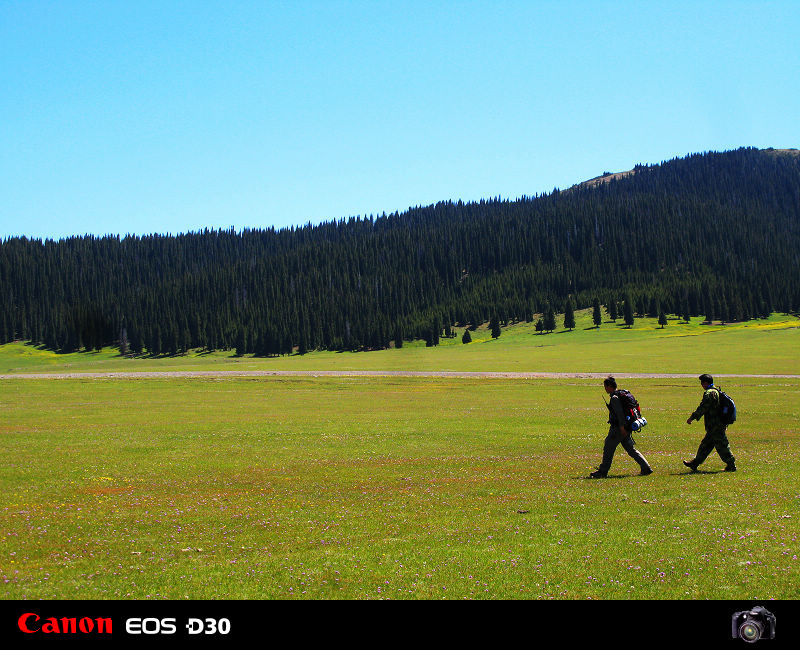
[787, 152]
[606, 177]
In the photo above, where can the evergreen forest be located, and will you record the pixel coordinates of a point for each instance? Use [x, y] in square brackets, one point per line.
[713, 234]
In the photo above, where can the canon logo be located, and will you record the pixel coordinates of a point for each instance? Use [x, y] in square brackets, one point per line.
[30, 623]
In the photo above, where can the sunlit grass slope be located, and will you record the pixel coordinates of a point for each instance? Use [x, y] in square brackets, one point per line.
[770, 346]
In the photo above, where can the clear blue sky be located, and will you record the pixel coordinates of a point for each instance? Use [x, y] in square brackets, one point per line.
[142, 117]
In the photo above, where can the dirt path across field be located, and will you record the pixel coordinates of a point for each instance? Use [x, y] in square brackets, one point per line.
[231, 374]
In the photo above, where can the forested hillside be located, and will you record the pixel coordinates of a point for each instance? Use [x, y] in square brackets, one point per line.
[715, 234]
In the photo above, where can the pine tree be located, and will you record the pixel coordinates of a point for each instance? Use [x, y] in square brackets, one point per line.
[430, 336]
[123, 341]
[569, 315]
[466, 338]
[241, 342]
[172, 339]
[627, 310]
[398, 337]
[494, 325]
[709, 307]
[662, 318]
[721, 308]
[549, 319]
[597, 316]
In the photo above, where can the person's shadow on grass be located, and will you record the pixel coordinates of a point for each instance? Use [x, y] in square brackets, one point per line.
[698, 472]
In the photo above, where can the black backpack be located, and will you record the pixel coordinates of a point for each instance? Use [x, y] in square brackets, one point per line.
[727, 408]
[631, 409]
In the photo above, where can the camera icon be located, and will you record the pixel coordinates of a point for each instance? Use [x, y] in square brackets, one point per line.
[754, 624]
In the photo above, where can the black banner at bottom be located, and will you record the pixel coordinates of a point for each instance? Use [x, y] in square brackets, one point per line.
[621, 623]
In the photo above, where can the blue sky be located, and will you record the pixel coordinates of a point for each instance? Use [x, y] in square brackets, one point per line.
[167, 117]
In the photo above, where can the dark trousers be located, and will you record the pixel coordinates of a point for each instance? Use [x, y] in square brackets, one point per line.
[610, 446]
[715, 439]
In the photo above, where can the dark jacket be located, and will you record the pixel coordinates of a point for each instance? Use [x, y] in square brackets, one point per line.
[709, 410]
[616, 416]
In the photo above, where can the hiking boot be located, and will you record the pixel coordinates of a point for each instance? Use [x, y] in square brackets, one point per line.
[730, 467]
[598, 474]
[690, 464]
[646, 471]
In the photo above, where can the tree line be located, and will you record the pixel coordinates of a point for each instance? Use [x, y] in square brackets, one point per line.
[711, 234]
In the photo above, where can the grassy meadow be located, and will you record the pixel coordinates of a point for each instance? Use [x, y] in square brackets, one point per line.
[768, 346]
[401, 487]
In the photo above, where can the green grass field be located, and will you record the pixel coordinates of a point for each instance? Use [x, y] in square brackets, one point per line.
[367, 488]
[770, 346]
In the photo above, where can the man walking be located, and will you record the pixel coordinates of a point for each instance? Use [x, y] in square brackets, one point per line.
[715, 437]
[618, 434]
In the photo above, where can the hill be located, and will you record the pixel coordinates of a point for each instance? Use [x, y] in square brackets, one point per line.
[714, 235]
[605, 177]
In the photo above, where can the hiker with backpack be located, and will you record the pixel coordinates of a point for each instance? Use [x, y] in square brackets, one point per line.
[624, 418]
[717, 411]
